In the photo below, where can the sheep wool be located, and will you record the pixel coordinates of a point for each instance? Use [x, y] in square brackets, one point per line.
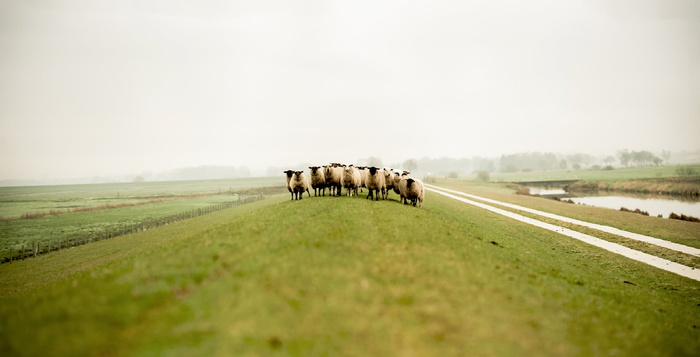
[351, 180]
[411, 189]
[318, 181]
[299, 185]
[396, 179]
[375, 183]
[388, 180]
[333, 176]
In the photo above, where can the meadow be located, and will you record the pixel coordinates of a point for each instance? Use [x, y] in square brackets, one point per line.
[55, 215]
[617, 174]
[347, 276]
[36, 201]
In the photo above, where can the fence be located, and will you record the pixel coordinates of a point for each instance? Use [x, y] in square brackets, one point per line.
[33, 249]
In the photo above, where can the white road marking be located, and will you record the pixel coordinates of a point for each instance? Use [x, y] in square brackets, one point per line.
[636, 236]
[649, 259]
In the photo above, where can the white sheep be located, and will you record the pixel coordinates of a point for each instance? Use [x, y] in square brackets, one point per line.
[396, 178]
[351, 180]
[299, 185]
[333, 173]
[411, 189]
[318, 180]
[375, 183]
[363, 176]
[389, 182]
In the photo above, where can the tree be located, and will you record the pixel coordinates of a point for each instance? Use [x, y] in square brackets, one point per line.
[666, 155]
[563, 165]
[624, 156]
[483, 175]
[410, 165]
[374, 161]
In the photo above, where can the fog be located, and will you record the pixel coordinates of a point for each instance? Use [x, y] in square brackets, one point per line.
[119, 87]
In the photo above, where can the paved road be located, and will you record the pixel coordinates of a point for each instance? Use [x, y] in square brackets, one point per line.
[660, 263]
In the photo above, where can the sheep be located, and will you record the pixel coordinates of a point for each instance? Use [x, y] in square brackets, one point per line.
[411, 189]
[389, 182]
[396, 178]
[363, 176]
[318, 180]
[289, 177]
[299, 185]
[351, 179]
[333, 176]
[375, 183]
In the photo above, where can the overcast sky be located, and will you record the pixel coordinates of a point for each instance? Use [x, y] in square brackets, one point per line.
[119, 87]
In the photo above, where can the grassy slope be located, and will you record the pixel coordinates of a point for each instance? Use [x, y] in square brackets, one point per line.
[345, 276]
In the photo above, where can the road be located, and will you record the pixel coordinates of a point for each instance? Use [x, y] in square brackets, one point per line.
[649, 259]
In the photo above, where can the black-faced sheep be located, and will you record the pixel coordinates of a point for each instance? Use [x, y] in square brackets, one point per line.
[411, 189]
[396, 178]
[289, 174]
[375, 183]
[351, 180]
[388, 181]
[318, 181]
[363, 176]
[299, 185]
[334, 180]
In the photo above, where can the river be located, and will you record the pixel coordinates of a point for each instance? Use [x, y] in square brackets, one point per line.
[655, 205]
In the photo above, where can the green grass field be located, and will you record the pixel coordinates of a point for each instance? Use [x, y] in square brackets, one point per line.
[152, 200]
[590, 175]
[345, 276]
[30, 200]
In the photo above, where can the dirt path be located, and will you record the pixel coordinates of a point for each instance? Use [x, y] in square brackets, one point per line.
[649, 259]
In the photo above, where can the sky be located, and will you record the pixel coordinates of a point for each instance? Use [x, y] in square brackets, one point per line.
[122, 87]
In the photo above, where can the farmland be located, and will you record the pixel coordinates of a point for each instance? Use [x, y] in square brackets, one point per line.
[346, 276]
[592, 175]
[55, 215]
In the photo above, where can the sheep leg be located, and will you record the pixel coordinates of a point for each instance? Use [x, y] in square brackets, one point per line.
[308, 192]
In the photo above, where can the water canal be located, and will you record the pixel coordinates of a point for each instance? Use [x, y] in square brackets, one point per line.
[655, 205]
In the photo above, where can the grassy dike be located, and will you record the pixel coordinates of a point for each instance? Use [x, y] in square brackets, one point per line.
[345, 276]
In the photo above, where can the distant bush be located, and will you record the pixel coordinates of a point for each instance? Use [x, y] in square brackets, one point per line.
[595, 167]
[608, 168]
[685, 171]
[638, 211]
[523, 191]
[683, 217]
[483, 175]
[452, 175]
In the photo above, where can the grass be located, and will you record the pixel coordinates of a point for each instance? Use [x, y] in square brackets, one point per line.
[16, 202]
[672, 230]
[140, 202]
[345, 276]
[591, 175]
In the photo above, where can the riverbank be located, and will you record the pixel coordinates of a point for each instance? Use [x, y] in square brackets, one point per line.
[672, 186]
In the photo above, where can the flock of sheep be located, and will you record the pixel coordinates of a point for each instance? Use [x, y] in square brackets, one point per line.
[335, 177]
